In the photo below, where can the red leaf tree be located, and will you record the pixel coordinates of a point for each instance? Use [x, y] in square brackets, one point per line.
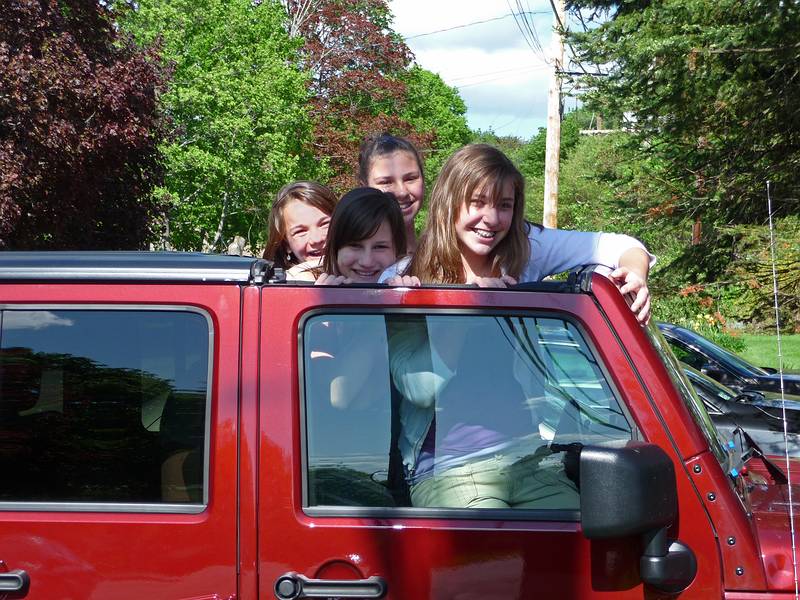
[357, 63]
[78, 129]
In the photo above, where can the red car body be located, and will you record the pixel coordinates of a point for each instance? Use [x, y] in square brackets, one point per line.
[254, 527]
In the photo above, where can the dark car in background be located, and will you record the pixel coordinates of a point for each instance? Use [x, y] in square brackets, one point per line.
[722, 365]
[759, 413]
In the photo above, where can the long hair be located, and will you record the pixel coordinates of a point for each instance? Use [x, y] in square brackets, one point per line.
[308, 192]
[358, 215]
[383, 144]
[438, 256]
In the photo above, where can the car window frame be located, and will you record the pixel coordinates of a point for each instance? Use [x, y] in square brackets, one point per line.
[472, 514]
[126, 507]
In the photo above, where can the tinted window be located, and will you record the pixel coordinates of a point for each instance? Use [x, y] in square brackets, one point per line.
[103, 405]
[450, 411]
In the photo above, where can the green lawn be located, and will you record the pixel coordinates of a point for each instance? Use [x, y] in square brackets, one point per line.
[762, 350]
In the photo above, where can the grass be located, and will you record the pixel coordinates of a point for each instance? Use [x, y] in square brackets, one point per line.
[762, 350]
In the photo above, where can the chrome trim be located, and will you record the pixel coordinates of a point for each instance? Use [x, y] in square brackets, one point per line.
[126, 274]
[103, 507]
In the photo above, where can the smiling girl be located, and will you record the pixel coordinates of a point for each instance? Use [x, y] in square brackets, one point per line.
[476, 233]
[298, 224]
[367, 235]
[392, 164]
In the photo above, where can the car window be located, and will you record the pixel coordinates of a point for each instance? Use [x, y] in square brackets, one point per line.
[687, 355]
[103, 406]
[450, 411]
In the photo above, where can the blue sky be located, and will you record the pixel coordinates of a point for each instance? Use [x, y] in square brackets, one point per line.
[500, 77]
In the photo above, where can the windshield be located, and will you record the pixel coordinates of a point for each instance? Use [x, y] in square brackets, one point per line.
[722, 355]
[715, 390]
[690, 398]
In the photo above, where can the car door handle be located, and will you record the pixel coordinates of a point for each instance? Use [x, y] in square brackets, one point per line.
[292, 586]
[14, 581]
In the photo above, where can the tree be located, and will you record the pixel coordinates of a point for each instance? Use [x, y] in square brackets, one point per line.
[358, 71]
[711, 88]
[237, 101]
[435, 109]
[78, 129]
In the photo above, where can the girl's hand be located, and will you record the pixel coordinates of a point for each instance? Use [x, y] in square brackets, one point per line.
[630, 282]
[403, 281]
[492, 282]
[329, 279]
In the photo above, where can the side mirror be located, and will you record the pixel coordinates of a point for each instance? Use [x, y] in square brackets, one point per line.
[632, 491]
[626, 491]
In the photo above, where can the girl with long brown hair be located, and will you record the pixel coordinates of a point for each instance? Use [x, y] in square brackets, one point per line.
[476, 233]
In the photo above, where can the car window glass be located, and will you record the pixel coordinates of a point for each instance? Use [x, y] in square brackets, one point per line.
[412, 410]
[103, 405]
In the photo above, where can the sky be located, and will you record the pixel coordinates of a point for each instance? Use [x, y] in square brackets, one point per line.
[501, 78]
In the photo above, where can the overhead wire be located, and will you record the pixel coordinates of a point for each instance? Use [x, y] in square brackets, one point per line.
[419, 35]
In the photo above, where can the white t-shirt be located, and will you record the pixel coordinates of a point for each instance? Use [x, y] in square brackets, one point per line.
[558, 250]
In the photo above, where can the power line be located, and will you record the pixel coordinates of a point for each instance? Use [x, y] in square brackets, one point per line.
[527, 29]
[419, 35]
[453, 81]
[493, 79]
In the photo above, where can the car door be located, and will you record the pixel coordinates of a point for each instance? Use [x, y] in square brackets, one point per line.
[114, 400]
[413, 442]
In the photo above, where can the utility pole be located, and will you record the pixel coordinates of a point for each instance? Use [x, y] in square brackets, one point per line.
[553, 143]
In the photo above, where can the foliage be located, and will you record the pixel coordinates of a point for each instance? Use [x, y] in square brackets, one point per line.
[752, 265]
[358, 67]
[434, 108]
[237, 104]
[696, 310]
[581, 182]
[710, 88]
[78, 129]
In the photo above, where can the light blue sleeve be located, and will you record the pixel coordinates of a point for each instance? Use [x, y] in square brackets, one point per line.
[396, 269]
[557, 250]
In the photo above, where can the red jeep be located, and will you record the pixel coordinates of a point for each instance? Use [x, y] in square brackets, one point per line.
[181, 426]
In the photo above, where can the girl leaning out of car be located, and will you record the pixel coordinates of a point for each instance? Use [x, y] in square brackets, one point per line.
[366, 236]
[476, 233]
[298, 227]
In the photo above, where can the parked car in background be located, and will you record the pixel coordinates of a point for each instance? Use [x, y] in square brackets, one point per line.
[759, 413]
[724, 366]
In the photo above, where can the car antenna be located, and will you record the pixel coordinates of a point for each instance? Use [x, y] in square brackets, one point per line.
[780, 374]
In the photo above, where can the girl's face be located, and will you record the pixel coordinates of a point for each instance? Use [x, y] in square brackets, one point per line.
[399, 174]
[365, 260]
[483, 222]
[306, 229]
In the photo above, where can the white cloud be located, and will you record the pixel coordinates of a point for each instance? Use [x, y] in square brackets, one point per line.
[501, 79]
[35, 319]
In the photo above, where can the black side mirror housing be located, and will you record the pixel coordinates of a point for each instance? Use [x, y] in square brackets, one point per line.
[632, 491]
[626, 491]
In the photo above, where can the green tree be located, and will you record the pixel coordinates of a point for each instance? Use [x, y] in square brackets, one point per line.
[237, 103]
[710, 88]
[433, 107]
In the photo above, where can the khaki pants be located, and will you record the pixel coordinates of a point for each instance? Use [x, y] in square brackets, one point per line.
[505, 480]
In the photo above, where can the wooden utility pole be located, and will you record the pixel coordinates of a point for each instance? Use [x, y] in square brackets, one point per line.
[553, 144]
